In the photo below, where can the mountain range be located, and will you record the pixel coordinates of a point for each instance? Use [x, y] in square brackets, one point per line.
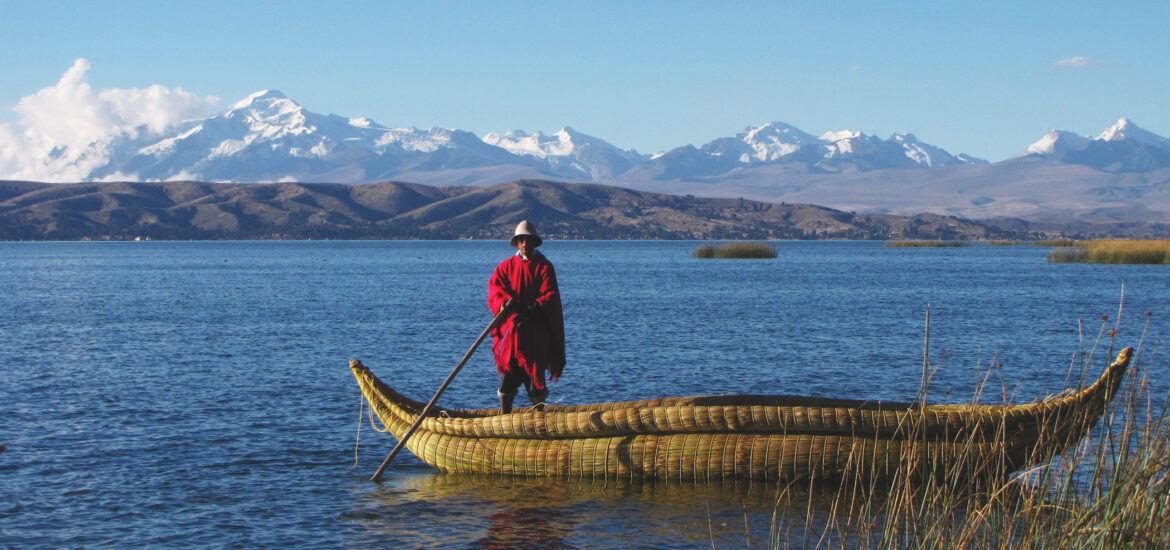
[269, 137]
[1121, 176]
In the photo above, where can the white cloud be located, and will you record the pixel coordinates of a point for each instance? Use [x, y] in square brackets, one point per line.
[118, 176]
[1078, 62]
[65, 131]
[184, 176]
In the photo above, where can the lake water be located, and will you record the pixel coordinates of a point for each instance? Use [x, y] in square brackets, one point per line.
[198, 393]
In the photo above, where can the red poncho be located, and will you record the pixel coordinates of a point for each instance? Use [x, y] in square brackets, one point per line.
[538, 343]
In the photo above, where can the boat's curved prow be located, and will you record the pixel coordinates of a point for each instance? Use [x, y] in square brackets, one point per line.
[1110, 381]
[1070, 418]
[396, 411]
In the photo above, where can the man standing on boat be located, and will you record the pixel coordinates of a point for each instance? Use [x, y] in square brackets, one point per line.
[531, 338]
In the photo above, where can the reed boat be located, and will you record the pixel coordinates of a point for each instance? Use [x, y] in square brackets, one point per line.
[745, 436]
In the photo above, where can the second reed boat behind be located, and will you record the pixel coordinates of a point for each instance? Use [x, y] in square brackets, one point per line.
[746, 436]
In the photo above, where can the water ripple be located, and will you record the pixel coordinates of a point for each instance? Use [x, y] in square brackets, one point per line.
[196, 394]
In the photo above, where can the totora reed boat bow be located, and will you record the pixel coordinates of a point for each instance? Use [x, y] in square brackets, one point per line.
[746, 436]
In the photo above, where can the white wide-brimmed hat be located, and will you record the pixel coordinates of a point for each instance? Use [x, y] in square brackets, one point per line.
[524, 228]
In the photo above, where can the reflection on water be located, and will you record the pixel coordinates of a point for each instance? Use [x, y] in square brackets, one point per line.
[466, 511]
[538, 527]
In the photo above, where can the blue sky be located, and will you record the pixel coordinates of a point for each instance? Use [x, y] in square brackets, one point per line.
[983, 78]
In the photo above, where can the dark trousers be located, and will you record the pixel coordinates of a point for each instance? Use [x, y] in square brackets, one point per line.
[510, 383]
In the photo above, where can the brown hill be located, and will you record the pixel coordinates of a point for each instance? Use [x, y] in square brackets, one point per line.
[194, 210]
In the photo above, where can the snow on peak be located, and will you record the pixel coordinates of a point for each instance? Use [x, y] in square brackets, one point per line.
[1119, 130]
[519, 142]
[777, 141]
[268, 114]
[1125, 129]
[536, 144]
[968, 159]
[413, 139]
[841, 135]
[257, 97]
[773, 141]
[846, 143]
[570, 133]
[562, 143]
[1056, 141]
[928, 155]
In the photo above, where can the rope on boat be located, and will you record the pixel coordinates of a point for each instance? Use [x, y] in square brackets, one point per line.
[384, 429]
[536, 406]
[358, 438]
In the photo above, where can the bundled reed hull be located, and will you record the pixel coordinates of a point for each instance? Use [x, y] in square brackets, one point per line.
[753, 437]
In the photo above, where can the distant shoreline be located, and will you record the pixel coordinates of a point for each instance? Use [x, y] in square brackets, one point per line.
[180, 211]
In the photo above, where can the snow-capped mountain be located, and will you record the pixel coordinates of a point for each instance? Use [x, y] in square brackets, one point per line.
[1056, 142]
[771, 142]
[568, 152]
[1123, 147]
[925, 154]
[779, 143]
[1124, 130]
[269, 137]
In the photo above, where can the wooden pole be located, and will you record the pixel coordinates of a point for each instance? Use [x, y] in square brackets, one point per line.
[422, 415]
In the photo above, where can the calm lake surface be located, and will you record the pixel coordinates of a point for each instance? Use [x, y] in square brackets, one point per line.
[198, 393]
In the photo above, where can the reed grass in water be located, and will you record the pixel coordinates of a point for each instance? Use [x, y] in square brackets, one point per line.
[1054, 242]
[1119, 251]
[735, 250]
[1111, 490]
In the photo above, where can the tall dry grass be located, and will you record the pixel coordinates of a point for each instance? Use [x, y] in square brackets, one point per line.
[1110, 490]
[1114, 251]
[1054, 242]
[735, 250]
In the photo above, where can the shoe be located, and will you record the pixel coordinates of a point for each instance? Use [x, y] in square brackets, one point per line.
[506, 401]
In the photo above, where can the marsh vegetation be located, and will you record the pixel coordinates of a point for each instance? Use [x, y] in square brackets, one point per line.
[735, 250]
[1110, 490]
[1119, 251]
